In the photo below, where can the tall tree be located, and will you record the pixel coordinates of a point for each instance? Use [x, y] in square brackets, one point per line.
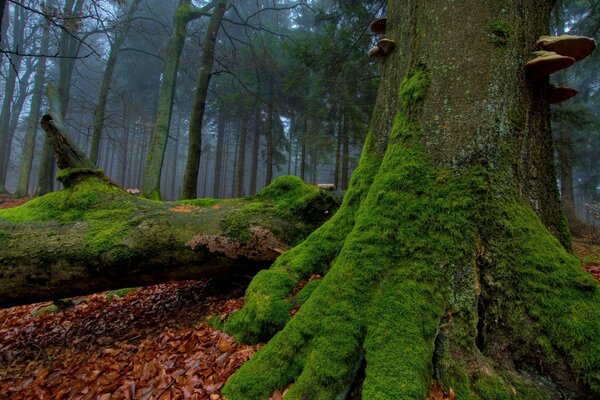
[18, 35]
[185, 13]
[444, 261]
[121, 32]
[34, 117]
[190, 177]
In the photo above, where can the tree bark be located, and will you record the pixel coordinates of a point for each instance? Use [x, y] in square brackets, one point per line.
[440, 263]
[270, 142]
[32, 120]
[241, 159]
[9, 90]
[158, 144]
[255, 149]
[345, 155]
[2, 8]
[120, 35]
[190, 176]
[219, 154]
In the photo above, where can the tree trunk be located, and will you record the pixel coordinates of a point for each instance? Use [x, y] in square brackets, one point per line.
[16, 110]
[255, 150]
[303, 150]
[115, 48]
[32, 120]
[440, 263]
[338, 150]
[270, 144]
[345, 155]
[190, 176]
[241, 159]
[219, 154]
[2, 29]
[9, 90]
[158, 145]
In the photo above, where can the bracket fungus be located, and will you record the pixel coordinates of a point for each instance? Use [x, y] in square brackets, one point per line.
[546, 63]
[376, 54]
[382, 50]
[577, 47]
[378, 26]
[386, 46]
[560, 94]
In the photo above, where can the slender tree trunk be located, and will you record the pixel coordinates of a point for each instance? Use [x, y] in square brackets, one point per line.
[120, 35]
[4, 23]
[175, 158]
[565, 162]
[16, 110]
[2, 8]
[156, 154]
[9, 90]
[338, 150]
[314, 166]
[219, 154]
[255, 150]
[190, 176]
[124, 152]
[270, 143]
[345, 155]
[303, 149]
[32, 120]
[241, 159]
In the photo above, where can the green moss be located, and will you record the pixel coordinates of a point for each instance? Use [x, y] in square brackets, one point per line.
[542, 297]
[590, 259]
[52, 308]
[278, 206]
[564, 233]
[266, 311]
[386, 291]
[119, 293]
[414, 87]
[501, 33]
[106, 210]
[204, 202]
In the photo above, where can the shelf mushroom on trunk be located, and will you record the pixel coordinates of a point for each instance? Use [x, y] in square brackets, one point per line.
[577, 47]
[378, 26]
[384, 48]
[560, 94]
[546, 63]
[556, 53]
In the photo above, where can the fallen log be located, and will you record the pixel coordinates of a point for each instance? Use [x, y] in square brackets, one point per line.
[95, 236]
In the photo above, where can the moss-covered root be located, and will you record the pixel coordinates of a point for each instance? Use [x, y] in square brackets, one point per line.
[403, 323]
[320, 349]
[267, 307]
[546, 305]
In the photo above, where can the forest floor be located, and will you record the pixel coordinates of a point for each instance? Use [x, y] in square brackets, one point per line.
[142, 343]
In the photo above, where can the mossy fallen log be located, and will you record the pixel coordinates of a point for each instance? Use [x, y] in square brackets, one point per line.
[95, 236]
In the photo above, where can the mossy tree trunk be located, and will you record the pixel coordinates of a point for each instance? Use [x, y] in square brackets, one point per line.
[184, 13]
[447, 258]
[192, 167]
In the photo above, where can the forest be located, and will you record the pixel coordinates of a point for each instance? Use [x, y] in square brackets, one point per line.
[299, 199]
